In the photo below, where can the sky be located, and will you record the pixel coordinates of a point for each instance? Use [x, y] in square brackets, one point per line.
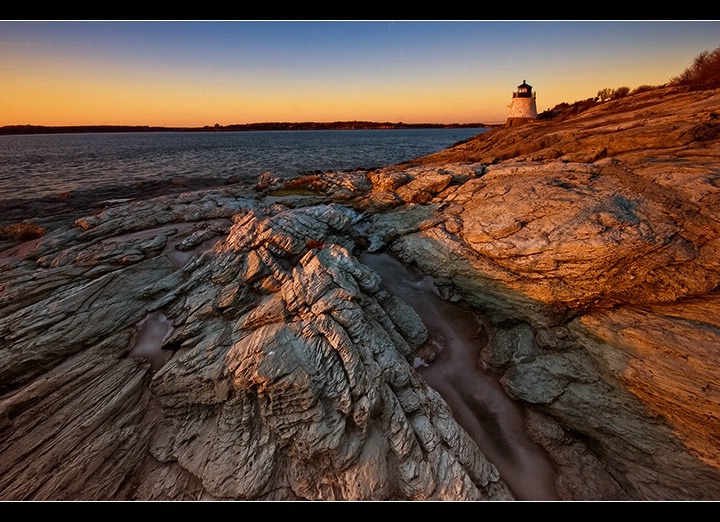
[197, 73]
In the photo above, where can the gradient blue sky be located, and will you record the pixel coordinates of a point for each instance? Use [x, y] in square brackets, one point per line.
[195, 73]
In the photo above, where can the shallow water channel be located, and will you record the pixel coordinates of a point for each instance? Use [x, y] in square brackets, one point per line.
[476, 398]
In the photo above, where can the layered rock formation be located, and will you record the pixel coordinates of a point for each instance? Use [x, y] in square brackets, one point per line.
[234, 344]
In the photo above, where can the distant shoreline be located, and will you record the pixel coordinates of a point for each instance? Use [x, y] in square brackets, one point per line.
[269, 126]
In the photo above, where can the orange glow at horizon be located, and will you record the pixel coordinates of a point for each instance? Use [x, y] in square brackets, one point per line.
[64, 101]
[196, 74]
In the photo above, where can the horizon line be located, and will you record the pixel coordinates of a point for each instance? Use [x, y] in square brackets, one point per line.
[306, 125]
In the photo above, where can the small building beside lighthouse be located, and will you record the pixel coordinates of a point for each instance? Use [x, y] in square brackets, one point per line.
[523, 107]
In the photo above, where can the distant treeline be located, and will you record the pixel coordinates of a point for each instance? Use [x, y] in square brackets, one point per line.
[270, 126]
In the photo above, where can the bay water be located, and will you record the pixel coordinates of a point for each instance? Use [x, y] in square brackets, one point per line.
[34, 166]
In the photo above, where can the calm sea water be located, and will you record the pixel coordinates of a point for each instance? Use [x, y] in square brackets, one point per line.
[33, 166]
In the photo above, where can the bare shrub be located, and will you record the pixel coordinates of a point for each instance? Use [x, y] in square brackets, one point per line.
[703, 74]
[612, 94]
[643, 88]
[605, 94]
[620, 92]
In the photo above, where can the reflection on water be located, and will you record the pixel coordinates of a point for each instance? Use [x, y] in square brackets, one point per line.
[151, 333]
[49, 164]
[476, 399]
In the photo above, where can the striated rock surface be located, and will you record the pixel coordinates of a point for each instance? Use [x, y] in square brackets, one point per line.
[288, 376]
[227, 344]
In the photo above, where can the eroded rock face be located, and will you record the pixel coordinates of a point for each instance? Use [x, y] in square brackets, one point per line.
[290, 375]
[613, 265]
[316, 395]
[223, 345]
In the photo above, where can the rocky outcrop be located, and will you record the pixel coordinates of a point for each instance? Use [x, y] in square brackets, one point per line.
[231, 344]
[289, 376]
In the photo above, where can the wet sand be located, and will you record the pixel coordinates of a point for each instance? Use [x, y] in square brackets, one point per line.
[476, 399]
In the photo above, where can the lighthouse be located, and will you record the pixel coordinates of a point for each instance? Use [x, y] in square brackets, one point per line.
[522, 107]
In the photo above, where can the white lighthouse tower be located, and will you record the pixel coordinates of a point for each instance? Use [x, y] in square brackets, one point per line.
[523, 107]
